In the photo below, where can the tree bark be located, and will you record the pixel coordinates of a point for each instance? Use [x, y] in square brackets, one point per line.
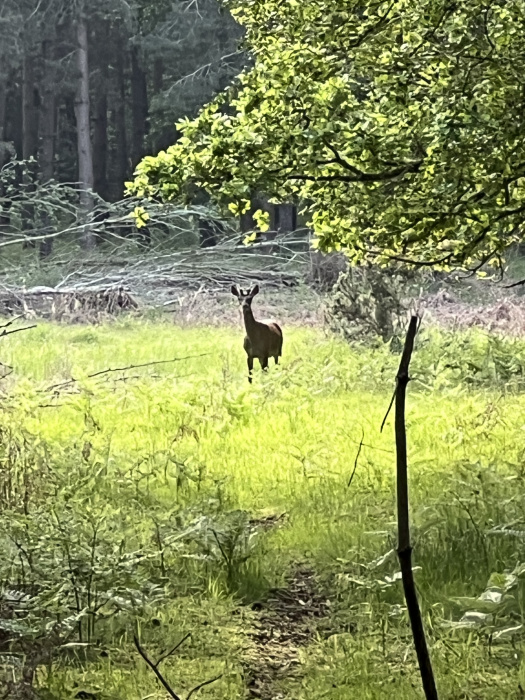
[158, 75]
[100, 134]
[30, 103]
[286, 218]
[121, 168]
[139, 102]
[13, 129]
[4, 150]
[47, 115]
[47, 135]
[3, 103]
[82, 114]
[404, 548]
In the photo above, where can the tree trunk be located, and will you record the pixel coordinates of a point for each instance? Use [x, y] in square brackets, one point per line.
[13, 130]
[100, 135]
[119, 119]
[139, 102]
[85, 157]
[30, 102]
[286, 218]
[3, 102]
[30, 108]
[158, 75]
[4, 150]
[47, 136]
[47, 115]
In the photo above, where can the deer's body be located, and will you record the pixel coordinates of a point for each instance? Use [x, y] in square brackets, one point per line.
[264, 339]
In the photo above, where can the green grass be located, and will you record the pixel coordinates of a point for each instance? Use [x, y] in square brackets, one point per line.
[164, 461]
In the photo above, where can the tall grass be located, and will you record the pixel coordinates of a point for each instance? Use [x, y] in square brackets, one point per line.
[173, 461]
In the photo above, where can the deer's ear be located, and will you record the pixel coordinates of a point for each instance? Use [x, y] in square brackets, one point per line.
[254, 291]
[235, 290]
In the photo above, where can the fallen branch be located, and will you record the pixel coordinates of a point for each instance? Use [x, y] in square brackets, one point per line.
[10, 323]
[61, 385]
[16, 330]
[154, 665]
[404, 549]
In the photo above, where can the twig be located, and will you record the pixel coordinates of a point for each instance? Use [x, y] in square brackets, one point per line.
[221, 548]
[174, 649]
[404, 549]
[356, 459]
[388, 410]
[123, 369]
[201, 685]
[514, 284]
[16, 330]
[10, 323]
[155, 670]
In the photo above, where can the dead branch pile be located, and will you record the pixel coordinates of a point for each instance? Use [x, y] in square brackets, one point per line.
[69, 305]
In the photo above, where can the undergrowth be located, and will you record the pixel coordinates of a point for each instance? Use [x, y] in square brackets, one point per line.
[134, 501]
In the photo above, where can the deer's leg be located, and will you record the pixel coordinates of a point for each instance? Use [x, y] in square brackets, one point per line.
[264, 362]
[250, 368]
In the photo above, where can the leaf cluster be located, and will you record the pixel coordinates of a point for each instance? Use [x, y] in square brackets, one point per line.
[398, 125]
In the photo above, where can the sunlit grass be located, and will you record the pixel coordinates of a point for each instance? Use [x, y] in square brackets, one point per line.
[288, 443]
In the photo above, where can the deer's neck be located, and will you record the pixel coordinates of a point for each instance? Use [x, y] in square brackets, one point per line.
[249, 321]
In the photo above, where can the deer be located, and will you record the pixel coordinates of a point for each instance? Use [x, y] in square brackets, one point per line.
[264, 339]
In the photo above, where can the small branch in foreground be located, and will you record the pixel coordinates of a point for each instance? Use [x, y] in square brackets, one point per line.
[10, 323]
[173, 649]
[15, 330]
[155, 670]
[61, 385]
[356, 459]
[154, 665]
[201, 685]
[404, 549]
[388, 410]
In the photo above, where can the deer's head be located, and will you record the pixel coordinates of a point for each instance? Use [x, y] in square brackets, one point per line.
[245, 298]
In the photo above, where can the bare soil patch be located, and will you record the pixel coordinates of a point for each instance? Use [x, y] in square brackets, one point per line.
[286, 621]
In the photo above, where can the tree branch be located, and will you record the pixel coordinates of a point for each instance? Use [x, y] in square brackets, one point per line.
[60, 385]
[359, 175]
[201, 685]
[155, 670]
[16, 330]
[356, 459]
[173, 650]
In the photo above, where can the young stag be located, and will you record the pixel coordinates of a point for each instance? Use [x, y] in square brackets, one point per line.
[263, 340]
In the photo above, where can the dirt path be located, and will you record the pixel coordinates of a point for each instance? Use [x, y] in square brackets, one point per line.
[286, 621]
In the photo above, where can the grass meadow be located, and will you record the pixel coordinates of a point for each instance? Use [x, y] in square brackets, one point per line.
[173, 498]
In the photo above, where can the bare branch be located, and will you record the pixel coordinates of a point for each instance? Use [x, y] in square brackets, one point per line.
[388, 410]
[404, 547]
[356, 459]
[201, 685]
[173, 650]
[16, 330]
[123, 369]
[155, 670]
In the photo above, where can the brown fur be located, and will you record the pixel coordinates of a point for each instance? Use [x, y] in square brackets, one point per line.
[264, 339]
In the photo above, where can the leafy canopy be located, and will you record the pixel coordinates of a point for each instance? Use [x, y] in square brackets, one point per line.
[399, 123]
